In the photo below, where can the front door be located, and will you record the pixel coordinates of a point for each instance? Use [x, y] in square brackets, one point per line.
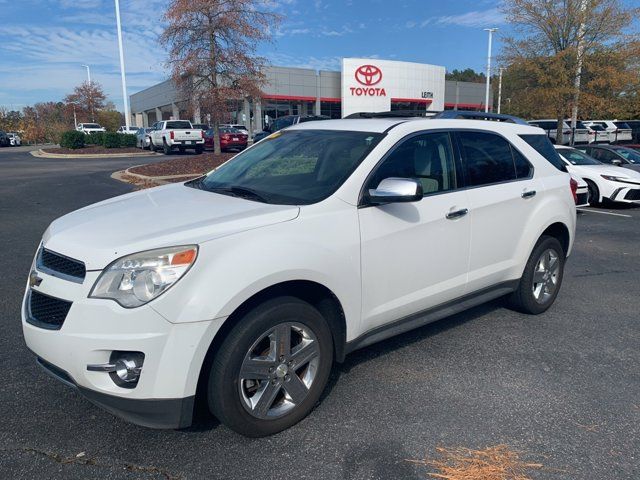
[415, 255]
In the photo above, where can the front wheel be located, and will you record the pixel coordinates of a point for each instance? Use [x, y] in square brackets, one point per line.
[594, 193]
[272, 368]
[542, 277]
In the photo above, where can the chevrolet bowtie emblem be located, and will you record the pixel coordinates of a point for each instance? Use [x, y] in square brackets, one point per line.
[34, 279]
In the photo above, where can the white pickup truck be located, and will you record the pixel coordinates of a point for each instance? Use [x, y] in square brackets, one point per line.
[171, 134]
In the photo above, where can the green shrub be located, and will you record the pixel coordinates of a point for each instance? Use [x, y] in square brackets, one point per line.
[128, 140]
[112, 140]
[96, 138]
[72, 139]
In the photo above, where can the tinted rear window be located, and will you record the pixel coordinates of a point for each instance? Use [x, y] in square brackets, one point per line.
[543, 146]
[179, 125]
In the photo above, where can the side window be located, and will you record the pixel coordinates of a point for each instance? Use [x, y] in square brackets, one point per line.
[523, 168]
[488, 158]
[606, 156]
[427, 158]
[542, 145]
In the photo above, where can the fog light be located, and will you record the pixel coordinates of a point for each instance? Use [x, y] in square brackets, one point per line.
[127, 370]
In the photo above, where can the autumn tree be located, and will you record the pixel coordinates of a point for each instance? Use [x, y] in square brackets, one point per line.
[88, 98]
[554, 41]
[212, 51]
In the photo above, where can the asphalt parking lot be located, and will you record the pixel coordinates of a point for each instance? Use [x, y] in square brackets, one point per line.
[562, 388]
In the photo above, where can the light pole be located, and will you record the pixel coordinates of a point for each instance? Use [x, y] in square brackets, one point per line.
[486, 95]
[88, 72]
[500, 89]
[124, 80]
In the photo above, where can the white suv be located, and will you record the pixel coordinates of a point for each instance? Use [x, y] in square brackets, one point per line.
[247, 284]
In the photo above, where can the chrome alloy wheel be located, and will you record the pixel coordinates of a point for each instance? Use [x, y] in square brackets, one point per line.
[278, 370]
[545, 276]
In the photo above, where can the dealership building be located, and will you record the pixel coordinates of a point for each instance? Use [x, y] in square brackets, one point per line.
[363, 85]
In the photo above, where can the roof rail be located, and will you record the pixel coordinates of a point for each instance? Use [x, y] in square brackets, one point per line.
[471, 115]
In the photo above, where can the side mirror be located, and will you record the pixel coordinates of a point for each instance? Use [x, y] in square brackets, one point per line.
[616, 162]
[395, 190]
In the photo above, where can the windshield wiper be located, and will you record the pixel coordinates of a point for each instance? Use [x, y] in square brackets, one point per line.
[240, 192]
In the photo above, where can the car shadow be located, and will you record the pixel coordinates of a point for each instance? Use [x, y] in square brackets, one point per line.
[411, 337]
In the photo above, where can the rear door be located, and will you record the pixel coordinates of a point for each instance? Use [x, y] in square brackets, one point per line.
[502, 196]
[415, 255]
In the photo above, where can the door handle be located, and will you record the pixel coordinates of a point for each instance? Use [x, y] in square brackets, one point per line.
[529, 194]
[457, 214]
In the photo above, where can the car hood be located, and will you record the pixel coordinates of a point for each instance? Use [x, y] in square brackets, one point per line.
[163, 216]
[604, 170]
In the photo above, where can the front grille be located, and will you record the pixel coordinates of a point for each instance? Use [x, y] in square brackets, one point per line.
[46, 312]
[56, 263]
[632, 195]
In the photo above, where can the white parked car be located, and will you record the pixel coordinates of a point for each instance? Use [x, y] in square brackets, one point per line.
[618, 131]
[550, 126]
[14, 139]
[605, 182]
[323, 238]
[89, 128]
[131, 130]
[170, 135]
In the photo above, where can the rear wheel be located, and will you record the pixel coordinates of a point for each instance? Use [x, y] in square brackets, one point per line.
[166, 149]
[272, 368]
[542, 277]
[594, 193]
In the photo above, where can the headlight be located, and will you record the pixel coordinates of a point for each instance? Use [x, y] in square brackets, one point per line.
[616, 179]
[137, 279]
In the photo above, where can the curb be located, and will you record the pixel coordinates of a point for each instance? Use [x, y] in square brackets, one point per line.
[160, 180]
[41, 154]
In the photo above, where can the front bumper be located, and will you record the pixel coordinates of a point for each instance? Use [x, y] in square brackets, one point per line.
[94, 328]
[151, 413]
[626, 194]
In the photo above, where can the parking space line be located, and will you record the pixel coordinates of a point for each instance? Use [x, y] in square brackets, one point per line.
[605, 213]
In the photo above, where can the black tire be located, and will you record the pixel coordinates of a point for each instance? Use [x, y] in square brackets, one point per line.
[594, 193]
[199, 150]
[225, 391]
[166, 149]
[152, 147]
[524, 299]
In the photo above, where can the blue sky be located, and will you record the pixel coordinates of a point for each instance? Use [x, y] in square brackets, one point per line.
[45, 42]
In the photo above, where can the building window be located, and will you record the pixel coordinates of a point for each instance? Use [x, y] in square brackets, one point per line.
[331, 109]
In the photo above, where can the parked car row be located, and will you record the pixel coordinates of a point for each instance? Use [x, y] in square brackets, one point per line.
[611, 172]
[588, 131]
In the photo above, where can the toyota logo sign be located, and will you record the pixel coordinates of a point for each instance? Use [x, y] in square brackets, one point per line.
[368, 75]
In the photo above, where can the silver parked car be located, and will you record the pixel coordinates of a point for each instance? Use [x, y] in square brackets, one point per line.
[142, 138]
[14, 139]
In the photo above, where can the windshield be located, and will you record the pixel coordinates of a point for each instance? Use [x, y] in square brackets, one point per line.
[90, 125]
[597, 128]
[576, 157]
[580, 125]
[622, 125]
[294, 168]
[630, 155]
[179, 124]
